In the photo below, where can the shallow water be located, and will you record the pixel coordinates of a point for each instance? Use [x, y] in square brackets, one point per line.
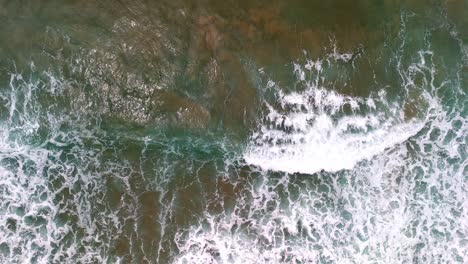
[233, 132]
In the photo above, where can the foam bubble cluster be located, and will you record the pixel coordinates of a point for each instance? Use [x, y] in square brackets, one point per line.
[310, 131]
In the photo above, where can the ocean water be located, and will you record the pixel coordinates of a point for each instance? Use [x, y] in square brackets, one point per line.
[234, 132]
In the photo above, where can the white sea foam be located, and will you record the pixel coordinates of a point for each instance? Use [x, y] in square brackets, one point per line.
[315, 134]
[41, 213]
[328, 148]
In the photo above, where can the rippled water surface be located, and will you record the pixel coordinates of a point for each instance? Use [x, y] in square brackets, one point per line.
[233, 131]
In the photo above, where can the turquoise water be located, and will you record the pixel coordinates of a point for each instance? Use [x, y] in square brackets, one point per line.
[234, 132]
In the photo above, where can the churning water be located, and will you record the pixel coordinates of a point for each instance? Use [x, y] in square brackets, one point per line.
[181, 132]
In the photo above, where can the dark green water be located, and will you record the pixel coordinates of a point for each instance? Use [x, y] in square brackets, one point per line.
[233, 131]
